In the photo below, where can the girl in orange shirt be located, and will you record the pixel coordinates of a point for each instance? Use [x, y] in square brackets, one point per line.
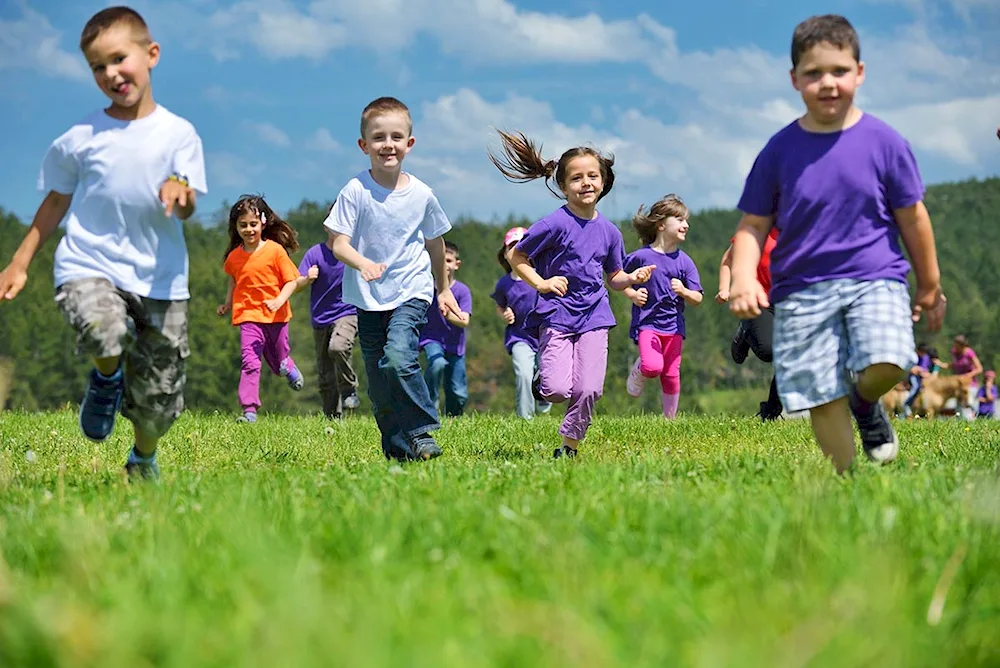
[261, 279]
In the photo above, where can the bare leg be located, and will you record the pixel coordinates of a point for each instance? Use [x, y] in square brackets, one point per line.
[834, 432]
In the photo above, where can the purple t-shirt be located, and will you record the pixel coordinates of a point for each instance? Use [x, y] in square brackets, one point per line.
[832, 196]
[439, 330]
[521, 298]
[326, 302]
[583, 251]
[988, 407]
[664, 309]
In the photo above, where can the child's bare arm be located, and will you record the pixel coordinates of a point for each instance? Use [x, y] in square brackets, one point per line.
[918, 236]
[521, 265]
[725, 276]
[228, 305]
[746, 295]
[50, 213]
[342, 249]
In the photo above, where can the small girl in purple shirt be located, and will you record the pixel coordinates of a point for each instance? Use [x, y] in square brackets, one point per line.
[658, 309]
[515, 300]
[565, 257]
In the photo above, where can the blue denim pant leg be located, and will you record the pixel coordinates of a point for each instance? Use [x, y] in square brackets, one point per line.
[434, 373]
[456, 388]
[397, 390]
[916, 382]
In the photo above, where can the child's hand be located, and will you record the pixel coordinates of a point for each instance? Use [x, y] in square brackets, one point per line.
[12, 280]
[640, 297]
[313, 273]
[722, 296]
[556, 284]
[642, 274]
[677, 285]
[932, 303]
[448, 304]
[371, 271]
[174, 192]
[223, 309]
[747, 300]
[273, 305]
[508, 316]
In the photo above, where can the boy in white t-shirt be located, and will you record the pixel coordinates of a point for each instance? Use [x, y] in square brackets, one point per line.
[124, 178]
[388, 227]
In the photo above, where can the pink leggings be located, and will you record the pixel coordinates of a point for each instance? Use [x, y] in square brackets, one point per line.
[660, 355]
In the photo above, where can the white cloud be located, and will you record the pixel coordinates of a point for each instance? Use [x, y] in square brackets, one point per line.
[228, 170]
[961, 131]
[31, 42]
[267, 133]
[323, 141]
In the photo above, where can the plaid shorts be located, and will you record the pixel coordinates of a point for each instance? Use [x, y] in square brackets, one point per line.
[151, 336]
[836, 328]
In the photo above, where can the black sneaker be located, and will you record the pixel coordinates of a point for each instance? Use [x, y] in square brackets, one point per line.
[536, 388]
[769, 413]
[878, 438]
[426, 447]
[740, 346]
[564, 451]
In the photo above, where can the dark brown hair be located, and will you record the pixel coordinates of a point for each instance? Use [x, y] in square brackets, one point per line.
[275, 227]
[522, 161]
[646, 224]
[112, 16]
[384, 105]
[830, 28]
[502, 256]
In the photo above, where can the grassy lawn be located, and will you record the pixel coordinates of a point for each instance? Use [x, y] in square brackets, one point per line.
[700, 542]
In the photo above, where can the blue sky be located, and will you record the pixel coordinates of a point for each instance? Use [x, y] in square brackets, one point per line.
[684, 93]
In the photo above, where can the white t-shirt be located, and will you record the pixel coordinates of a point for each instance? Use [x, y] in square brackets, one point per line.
[115, 227]
[388, 226]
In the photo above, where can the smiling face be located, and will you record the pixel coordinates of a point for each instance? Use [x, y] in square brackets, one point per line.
[827, 77]
[121, 63]
[387, 140]
[583, 182]
[674, 229]
[249, 227]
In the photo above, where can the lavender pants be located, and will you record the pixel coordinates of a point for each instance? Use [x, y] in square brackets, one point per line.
[571, 367]
[261, 340]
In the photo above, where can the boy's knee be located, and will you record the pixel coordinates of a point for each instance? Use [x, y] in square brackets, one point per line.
[881, 377]
[400, 359]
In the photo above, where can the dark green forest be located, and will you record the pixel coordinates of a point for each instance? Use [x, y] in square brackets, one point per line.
[48, 373]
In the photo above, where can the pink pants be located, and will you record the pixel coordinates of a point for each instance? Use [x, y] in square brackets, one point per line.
[260, 340]
[660, 355]
[571, 367]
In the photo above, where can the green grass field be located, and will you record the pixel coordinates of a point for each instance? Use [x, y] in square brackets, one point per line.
[700, 542]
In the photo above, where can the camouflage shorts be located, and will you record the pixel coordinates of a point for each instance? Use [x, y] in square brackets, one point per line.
[150, 335]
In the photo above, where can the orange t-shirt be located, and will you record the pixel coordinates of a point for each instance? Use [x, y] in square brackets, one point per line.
[260, 276]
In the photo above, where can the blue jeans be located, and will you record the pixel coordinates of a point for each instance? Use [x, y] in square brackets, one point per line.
[446, 366]
[525, 369]
[402, 406]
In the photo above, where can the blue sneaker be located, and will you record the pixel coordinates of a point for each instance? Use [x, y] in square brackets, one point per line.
[139, 468]
[100, 404]
[292, 374]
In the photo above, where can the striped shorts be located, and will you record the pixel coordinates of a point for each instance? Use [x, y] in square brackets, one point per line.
[830, 330]
[153, 355]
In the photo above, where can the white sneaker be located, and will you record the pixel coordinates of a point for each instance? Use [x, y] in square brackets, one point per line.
[635, 381]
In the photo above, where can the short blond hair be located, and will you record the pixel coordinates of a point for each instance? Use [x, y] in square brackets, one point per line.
[382, 106]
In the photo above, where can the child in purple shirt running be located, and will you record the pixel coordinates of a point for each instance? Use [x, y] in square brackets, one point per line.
[335, 326]
[565, 257]
[515, 300]
[841, 186]
[658, 309]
